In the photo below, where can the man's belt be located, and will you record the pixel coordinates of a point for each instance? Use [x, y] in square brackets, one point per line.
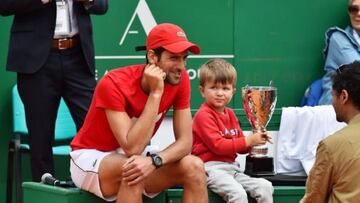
[65, 43]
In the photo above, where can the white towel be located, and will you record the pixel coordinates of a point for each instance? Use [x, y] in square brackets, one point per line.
[301, 130]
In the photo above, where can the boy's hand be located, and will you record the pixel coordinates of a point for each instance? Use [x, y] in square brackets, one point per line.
[258, 138]
[266, 137]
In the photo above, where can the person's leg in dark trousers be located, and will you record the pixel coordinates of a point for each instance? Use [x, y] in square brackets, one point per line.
[79, 84]
[41, 93]
[65, 74]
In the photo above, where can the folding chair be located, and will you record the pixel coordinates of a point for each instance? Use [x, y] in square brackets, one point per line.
[65, 129]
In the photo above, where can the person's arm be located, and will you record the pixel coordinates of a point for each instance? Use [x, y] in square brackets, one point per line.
[183, 137]
[13, 7]
[341, 51]
[137, 168]
[206, 128]
[319, 182]
[134, 134]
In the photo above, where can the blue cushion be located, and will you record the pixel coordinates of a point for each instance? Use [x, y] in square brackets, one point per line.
[312, 94]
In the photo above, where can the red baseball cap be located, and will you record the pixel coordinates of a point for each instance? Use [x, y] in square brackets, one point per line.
[170, 37]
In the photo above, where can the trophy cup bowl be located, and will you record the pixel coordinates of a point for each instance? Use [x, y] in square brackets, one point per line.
[259, 104]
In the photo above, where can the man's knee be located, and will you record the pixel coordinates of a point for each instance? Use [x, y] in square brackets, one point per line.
[193, 169]
[137, 189]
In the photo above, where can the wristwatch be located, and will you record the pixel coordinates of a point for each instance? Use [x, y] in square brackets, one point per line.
[156, 160]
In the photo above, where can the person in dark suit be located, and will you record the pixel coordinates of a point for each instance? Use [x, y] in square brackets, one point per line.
[51, 49]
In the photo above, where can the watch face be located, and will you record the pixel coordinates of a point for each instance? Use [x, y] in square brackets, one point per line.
[157, 160]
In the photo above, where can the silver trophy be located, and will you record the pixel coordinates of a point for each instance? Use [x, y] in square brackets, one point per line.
[259, 104]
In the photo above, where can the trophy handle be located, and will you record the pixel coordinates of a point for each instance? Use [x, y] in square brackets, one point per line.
[271, 83]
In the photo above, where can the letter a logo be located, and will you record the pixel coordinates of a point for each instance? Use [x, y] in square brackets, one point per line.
[146, 18]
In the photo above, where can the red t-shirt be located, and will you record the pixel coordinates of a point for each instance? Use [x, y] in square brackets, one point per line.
[120, 90]
[217, 136]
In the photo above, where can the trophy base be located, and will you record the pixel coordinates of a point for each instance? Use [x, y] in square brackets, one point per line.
[259, 166]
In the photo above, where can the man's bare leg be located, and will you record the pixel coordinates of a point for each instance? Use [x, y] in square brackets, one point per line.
[110, 175]
[129, 194]
[195, 187]
[188, 172]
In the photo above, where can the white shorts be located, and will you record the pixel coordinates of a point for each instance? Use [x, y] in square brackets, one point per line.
[84, 169]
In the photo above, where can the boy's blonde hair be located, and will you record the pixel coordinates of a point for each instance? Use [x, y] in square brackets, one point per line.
[217, 70]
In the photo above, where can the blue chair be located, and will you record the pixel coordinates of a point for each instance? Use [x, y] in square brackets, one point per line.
[65, 130]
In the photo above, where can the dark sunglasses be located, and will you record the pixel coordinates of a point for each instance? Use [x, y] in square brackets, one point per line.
[340, 69]
[353, 9]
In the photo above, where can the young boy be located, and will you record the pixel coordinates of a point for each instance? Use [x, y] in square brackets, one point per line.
[218, 138]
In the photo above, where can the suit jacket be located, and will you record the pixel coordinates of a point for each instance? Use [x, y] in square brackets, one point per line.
[33, 27]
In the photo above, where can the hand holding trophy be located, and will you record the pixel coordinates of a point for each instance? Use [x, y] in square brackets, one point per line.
[259, 104]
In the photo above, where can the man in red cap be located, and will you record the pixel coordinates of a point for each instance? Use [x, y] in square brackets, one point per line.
[129, 104]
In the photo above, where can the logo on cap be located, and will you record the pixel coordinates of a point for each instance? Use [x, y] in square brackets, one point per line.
[181, 34]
